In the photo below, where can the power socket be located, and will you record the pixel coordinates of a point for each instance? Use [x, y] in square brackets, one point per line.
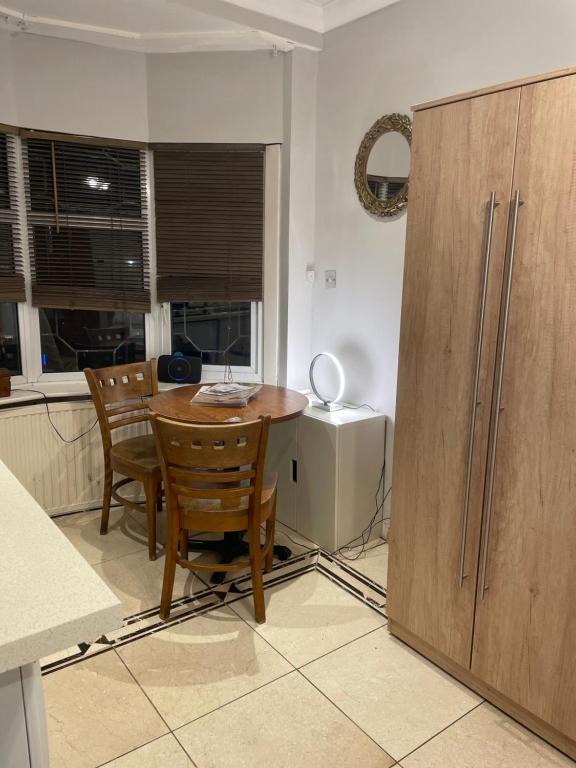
[330, 278]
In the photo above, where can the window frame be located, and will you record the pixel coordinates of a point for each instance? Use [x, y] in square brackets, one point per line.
[157, 323]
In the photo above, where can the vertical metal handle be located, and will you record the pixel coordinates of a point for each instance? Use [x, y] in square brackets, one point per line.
[472, 427]
[500, 377]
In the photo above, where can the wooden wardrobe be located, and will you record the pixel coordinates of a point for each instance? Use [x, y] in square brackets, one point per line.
[482, 576]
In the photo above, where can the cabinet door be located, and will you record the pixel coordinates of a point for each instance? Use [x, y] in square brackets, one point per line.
[525, 632]
[461, 153]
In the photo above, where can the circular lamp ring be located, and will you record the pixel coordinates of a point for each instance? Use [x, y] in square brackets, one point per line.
[325, 402]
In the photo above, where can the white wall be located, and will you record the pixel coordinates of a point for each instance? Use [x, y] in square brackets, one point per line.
[62, 85]
[7, 101]
[413, 51]
[298, 215]
[73, 87]
[215, 97]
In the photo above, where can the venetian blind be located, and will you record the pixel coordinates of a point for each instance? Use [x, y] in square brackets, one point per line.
[11, 269]
[209, 203]
[87, 223]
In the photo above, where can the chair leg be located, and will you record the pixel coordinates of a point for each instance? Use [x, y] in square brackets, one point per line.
[151, 491]
[108, 474]
[171, 555]
[257, 581]
[270, 532]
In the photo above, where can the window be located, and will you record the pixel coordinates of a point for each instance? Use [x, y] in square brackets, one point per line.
[219, 332]
[72, 340]
[10, 339]
[75, 264]
[210, 247]
[88, 242]
[87, 225]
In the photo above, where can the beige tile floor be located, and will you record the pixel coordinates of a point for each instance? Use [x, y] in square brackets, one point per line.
[322, 683]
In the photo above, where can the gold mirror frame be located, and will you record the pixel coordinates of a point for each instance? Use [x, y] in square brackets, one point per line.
[396, 204]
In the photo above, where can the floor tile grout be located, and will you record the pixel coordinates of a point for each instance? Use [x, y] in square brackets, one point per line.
[349, 642]
[232, 701]
[345, 714]
[135, 749]
[255, 629]
[133, 676]
[446, 727]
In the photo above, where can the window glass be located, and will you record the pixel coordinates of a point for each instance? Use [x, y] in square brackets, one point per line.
[99, 181]
[219, 331]
[10, 338]
[74, 339]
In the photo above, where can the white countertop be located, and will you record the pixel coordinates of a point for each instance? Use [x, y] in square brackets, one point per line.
[50, 598]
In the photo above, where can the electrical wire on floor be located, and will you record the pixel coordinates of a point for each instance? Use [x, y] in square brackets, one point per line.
[355, 548]
[54, 427]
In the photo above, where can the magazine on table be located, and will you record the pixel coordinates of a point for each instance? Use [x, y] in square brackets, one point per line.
[228, 394]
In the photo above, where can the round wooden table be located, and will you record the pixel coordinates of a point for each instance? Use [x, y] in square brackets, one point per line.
[279, 403]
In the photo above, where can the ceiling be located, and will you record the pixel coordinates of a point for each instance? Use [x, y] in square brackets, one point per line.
[156, 26]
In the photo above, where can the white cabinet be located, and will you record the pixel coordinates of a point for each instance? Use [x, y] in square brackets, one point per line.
[329, 466]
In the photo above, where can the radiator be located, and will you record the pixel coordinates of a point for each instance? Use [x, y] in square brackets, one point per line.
[61, 477]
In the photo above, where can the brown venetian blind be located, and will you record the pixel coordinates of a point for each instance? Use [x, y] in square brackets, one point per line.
[209, 221]
[87, 223]
[11, 269]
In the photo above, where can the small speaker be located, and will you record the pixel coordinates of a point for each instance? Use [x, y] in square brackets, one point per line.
[179, 369]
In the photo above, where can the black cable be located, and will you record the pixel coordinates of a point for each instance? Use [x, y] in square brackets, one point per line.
[54, 427]
[364, 537]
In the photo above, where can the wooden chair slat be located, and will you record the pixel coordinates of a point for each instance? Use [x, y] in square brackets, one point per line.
[129, 408]
[226, 494]
[127, 421]
[193, 477]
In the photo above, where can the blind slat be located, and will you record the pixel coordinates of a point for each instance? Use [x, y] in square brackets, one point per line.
[11, 266]
[87, 226]
[209, 205]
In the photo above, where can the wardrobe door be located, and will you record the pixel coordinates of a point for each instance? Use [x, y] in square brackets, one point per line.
[525, 633]
[462, 162]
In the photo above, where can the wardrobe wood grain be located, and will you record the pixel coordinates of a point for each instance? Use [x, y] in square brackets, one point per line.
[460, 154]
[525, 631]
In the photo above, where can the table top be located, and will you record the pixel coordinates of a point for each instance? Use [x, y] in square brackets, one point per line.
[51, 598]
[278, 402]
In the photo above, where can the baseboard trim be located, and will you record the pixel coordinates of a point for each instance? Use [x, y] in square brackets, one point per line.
[509, 707]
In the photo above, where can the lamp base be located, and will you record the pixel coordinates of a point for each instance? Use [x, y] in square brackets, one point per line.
[326, 406]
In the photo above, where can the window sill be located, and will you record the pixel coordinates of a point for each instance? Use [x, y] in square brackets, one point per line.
[60, 391]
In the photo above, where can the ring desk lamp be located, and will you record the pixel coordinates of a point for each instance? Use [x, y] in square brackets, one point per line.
[325, 403]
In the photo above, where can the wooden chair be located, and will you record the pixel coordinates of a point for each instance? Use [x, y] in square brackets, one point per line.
[119, 394]
[214, 481]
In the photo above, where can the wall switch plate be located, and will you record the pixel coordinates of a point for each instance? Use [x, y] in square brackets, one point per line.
[310, 274]
[330, 278]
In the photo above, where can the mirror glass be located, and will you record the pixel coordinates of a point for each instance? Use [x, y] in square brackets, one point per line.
[388, 165]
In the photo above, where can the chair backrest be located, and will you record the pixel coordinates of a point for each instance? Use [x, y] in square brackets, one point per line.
[212, 461]
[119, 393]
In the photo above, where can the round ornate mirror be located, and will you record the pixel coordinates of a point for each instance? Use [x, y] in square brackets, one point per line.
[383, 164]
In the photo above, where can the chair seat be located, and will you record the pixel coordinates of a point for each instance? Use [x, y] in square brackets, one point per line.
[215, 505]
[137, 454]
